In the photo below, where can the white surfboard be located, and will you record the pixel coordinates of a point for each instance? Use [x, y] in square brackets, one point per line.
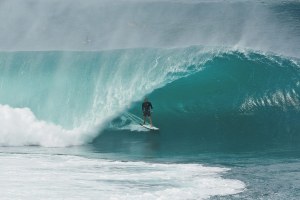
[148, 126]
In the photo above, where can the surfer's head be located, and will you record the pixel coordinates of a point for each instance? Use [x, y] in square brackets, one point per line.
[145, 100]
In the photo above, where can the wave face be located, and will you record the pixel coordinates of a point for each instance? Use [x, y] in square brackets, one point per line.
[71, 95]
[239, 101]
[206, 95]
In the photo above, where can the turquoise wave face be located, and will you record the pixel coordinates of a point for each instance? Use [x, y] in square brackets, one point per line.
[234, 82]
[77, 93]
[203, 96]
[238, 102]
[62, 87]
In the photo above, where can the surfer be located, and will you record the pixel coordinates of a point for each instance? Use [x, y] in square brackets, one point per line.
[146, 107]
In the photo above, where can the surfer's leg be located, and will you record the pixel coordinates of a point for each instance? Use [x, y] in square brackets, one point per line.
[150, 120]
[144, 119]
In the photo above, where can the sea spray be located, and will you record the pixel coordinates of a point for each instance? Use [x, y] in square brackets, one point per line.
[77, 93]
[34, 25]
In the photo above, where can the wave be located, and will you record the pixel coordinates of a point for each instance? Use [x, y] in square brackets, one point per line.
[68, 98]
[80, 92]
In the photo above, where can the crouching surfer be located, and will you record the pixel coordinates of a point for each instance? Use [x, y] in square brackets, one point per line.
[146, 107]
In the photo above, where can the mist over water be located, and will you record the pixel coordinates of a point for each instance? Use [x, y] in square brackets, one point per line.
[94, 25]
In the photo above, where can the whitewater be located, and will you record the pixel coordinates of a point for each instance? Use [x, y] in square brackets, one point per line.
[223, 77]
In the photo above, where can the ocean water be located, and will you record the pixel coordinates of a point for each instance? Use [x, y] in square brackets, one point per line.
[223, 78]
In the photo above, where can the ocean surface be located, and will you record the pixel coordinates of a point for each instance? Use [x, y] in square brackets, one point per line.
[223, 78]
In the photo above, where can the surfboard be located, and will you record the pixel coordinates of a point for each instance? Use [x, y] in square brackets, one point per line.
[148, 126]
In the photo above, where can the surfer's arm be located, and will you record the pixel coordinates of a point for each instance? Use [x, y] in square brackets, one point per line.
[143, 107]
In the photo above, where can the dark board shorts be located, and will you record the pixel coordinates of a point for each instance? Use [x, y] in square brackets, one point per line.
[147, 113]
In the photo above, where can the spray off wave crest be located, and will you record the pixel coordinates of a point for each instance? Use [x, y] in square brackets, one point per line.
[66, 98]
[55, 25]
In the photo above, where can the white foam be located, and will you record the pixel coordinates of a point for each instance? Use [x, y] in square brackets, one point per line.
[19, 126]
[134, 128]
[34, 176]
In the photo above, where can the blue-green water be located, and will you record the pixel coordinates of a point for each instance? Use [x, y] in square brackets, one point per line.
[226, 102]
